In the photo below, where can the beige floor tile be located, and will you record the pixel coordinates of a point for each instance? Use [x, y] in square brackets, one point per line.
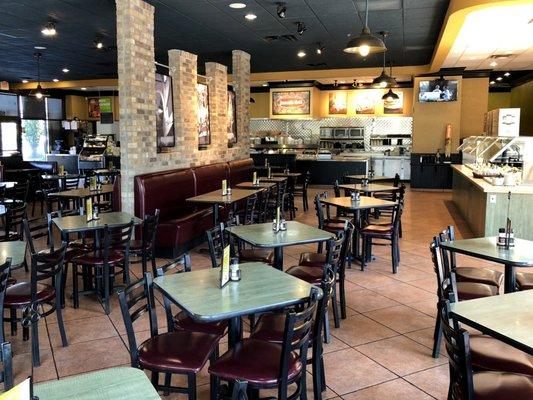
[22, 367]
[83, 330]
[401, 318]
[358, 329]
[366, 300]
[404, 292]
[434, 381]
[397, 389]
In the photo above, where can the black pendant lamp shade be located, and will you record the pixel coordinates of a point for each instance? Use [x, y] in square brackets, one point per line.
[384, 80]
[390, 95]
[39, 92]
[365, 43]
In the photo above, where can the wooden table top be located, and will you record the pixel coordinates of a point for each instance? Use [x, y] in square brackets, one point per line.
[215, 197]
[251, 186]
[370, 188]
[16, 250]
[521, 255]
[287, 174]
[507, 317]
[78, 223]
[119, 383]
[51, 177]
[375, 178]
[364, 202]
[83, 193]
[262, 235]
[275, 179]
[261, 288]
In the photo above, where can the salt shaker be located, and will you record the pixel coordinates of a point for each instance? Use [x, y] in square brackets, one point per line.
[234, 271]
[283, 225]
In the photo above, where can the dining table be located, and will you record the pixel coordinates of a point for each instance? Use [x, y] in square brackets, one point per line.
[355, 208]
[274, 179]
[507, 317]
[79, 224]
[486, 248]
[119, 383]
[369, 189]
[216, 199]
[16, 250]
[80, 195]
[255, 186]
[263, 236]
[370, 178]
[261, 289]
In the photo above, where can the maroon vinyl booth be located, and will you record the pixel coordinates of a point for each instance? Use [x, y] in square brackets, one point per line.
[182, 225]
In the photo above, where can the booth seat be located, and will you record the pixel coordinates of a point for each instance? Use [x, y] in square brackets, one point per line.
[182, 224]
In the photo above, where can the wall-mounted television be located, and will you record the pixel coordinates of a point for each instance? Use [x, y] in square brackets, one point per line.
[438, 90]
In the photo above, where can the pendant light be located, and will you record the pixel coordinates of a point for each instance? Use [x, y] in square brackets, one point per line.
[390, 96]
[365, 43]
[39, 92]
[384, 80]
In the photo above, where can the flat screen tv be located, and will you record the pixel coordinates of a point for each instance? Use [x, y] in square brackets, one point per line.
[438, 90]
[165, 111]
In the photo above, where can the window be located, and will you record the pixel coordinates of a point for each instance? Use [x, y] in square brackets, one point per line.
[9, 105]
[8, 137]
[34, 139]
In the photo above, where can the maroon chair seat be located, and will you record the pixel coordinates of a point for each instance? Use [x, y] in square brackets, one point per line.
[256, 255]
[472, 290]
[524, 280]
[182, 322]
[310, 275]
[480, 275]
[20, 293]
[270, 327]
[177, 352]
[97, 258]
[502, 386]
[256, 362]
[494, 355]
[333, 226]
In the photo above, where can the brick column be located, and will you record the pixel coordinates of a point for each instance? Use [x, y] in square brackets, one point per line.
[217, 81]
[136, 85]
[241, 79]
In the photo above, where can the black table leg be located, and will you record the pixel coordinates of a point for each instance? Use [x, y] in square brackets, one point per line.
[234, 331]
[278, 258]
[510, 279]
[215, 214]
[355, 244]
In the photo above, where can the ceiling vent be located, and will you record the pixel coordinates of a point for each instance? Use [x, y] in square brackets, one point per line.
[280, 38]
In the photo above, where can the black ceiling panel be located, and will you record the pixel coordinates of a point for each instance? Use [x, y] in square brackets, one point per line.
[212, 30]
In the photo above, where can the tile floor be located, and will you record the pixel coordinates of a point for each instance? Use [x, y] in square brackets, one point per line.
[381, 351]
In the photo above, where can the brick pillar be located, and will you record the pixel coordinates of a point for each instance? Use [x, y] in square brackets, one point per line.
[241, 79]
[136, 85]
[217, 81]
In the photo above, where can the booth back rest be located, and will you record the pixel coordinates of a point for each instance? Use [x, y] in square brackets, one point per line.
[240, 171]
[167, 190]
[209, 177]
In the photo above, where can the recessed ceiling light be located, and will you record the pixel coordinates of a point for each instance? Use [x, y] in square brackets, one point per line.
[98, 43]
[507, 74]
[493, 64]
[39, 47]
[24, 81]
[265, 84]
[492, 82]
[499, 78]
[65, 70]
[83, 88]
[237, 5]
[49, 29]
[55, 80]
[301, 54]
[281, 10]
[250, 17]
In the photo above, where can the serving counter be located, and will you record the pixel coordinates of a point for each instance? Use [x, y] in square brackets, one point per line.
[484, 206]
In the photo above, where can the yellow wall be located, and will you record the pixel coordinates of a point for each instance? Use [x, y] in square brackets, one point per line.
[474, 100]
[430, 119]
[76, 106]
[499, 100]
[522, 97]
[260, 109]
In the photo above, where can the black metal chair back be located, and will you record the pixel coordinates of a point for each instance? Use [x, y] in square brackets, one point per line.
[117, 238]
[263, 204]
[20, 191]
[446, 283]
[217, 238]
[6, 357]
[249, 210]
[2, 193]
[149, 233]
[319, 209]
[36, 229]
[15, 215]
[71, 183]
[448, 257]
[4, 275]
[280, 194]
[298, 330]
[336, 188]
[327, 285]
[396, 181]
[459, 358]
[136, 300]
[335, 249]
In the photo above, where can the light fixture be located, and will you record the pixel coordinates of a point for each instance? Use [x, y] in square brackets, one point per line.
[335, 83]
[384, 80]
[492, 82]
[250, 17]
[301, 54]
[237, 6]
[25, 81]
[39, 47]
[499, 78]
[319, 48]
[507, 74]
[65, 70]
[83, 88]
[252, 100]
[493, 64]
[55, 80]
[390, 96]
[281, 10]
[39, 92]
[265, 84]
[49, 29]
[300, 28]
[354, 84]
[98, 43]
[365, 43]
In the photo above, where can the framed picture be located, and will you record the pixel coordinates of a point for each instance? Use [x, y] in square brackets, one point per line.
[338, 102]
[204, 133]
[165, 111]
[232, 118]
[296, 102]
[365, 102]
[393, 106]
[94, 107]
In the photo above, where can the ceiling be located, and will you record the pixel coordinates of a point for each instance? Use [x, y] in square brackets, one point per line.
[211, 29]
[499, 38]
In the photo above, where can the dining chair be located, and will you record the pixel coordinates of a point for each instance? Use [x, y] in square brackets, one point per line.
[247, 213]
[388, 232]
[42, 189]
[265, 365]
[325, 221]
[112, 254]
[5, 271]
[465, 384]
[182, 321]
[19, 192]
[145, 247]
[14, 217]
[6, 356]
[36, 294]
[271, 327]
[301, 190]
[468, 274]
[278, 200]
[177, 352]
[261, 215]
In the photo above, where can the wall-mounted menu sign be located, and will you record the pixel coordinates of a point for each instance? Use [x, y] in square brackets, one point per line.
[291, 102]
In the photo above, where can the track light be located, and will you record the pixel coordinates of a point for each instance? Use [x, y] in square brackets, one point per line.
[300, 28]
[281, 10]
[335, 83]
[98, 44]
[49, 29]
[301, 54]
[354, 84]
[319, 48]
[507, 74]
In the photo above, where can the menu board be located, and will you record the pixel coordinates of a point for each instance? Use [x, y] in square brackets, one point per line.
[204, 131]
[338, 102]
[291, 102]
[99, 105]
